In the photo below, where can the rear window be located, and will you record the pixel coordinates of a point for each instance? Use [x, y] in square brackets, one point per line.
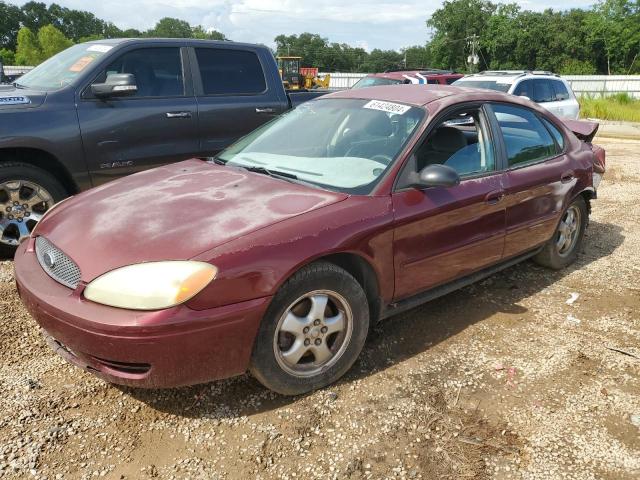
[230, 72]
[375, 81]
[483, 84]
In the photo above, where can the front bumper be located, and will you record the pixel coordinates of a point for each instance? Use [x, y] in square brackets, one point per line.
[166, 348]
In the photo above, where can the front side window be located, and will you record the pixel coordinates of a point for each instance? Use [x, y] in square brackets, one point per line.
[230, 72]
[350, 146]
[542, 91]
[461, 142]
[158, 71]
[524, 89]
[525, 137]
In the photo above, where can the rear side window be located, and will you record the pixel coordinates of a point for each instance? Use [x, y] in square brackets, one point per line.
[230, 72]
[158, 71]
[555, 132]
[561, 90]
[526, 138]
[524, 89]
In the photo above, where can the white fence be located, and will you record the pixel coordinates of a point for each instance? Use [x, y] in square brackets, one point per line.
[597, 85]
[594, 85]
[13, 70]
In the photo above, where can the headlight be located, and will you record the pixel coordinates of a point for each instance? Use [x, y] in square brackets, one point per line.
[151, 286]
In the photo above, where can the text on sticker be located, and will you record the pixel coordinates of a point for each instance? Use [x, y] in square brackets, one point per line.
[388, 107]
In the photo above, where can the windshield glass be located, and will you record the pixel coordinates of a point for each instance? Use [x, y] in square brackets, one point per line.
[343, 145]
[485, 84]
[63, 68]
[375, 81]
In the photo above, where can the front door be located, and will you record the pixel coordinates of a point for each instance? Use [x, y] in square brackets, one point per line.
[156, 126]
[445, 233]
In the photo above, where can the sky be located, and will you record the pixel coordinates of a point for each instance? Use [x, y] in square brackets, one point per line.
[385, 24]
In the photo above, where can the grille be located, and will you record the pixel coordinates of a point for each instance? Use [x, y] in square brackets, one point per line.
[57, 264]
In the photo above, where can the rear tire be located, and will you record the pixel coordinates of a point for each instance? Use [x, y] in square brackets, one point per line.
[313, 330]
[26, 193]
[562, 249]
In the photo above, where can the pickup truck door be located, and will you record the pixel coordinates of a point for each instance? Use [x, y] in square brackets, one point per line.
[157, 125]
[237, 88]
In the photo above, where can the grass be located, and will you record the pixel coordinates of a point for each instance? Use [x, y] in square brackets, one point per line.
[620, 107]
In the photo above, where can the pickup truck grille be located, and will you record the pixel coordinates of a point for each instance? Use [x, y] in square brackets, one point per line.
[57, 264]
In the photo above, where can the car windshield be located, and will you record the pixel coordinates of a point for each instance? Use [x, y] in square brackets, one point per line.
[343, 145]
[375, 81]
[484, 84]
[63, 68]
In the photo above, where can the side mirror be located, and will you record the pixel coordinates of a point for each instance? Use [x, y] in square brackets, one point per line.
[437, 175]
[117, 85]
[524, 96]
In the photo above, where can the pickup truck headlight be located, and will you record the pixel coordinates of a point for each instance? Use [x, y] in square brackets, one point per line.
[151, 286]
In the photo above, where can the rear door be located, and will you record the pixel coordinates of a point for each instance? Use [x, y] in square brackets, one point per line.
[566, 104]
[538, 179]
[156, 126]
[237, 89]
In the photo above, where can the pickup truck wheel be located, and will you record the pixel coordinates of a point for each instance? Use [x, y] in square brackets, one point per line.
[26, 193]
[563, 247]
[313, 330]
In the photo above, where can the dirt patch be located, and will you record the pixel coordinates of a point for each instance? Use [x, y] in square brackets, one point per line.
[503, 379]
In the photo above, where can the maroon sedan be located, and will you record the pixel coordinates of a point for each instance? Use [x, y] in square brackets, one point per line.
[279, 254]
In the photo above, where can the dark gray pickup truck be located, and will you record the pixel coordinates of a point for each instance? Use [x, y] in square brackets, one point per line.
[104, 109]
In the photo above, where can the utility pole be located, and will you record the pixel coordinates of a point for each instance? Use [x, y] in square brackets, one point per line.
[474, 44]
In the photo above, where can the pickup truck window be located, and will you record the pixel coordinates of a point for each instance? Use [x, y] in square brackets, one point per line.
[230, 72]
[158, 71]
[63, 68]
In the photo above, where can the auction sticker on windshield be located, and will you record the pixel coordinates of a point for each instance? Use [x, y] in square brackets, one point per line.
[388, 107]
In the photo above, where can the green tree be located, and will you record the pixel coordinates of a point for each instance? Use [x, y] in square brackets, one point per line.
[10, 19]
[171, 28]
[28, 51]
[7, 57]
[417, 57]
[200, 33]
[52, 41]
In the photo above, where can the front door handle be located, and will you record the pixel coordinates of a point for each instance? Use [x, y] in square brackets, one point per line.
[178, 114]
[266, 110]
[494, 197]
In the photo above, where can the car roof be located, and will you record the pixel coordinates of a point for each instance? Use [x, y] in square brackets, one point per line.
[186, 41]
[507, 76]
[419, 95]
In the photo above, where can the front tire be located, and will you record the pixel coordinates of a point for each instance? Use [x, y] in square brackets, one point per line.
[313, 330]
[563, 247]
[26, 193]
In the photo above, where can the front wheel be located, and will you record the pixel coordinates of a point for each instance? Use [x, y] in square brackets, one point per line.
[563, 247]
[26, 193]
[312, 332]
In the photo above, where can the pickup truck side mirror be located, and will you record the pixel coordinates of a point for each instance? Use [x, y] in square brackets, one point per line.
[436, 175]
[117, 85]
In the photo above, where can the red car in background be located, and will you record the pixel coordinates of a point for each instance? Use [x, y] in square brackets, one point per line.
[416, 77]
[279, 254]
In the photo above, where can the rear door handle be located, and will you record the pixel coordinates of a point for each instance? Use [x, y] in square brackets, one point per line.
[266, 110]
[494, 197]
[178, 114]
[567, 177]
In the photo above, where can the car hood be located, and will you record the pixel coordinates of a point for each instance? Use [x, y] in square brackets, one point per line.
[19, 98]
[172, 213]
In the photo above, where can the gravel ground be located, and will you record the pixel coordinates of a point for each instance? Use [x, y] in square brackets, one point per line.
[503, 379]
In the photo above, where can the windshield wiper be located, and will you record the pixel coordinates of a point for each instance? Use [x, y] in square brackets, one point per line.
[17, 85]
[271, 173]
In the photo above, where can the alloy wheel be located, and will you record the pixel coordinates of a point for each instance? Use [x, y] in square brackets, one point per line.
[22, 205]
[568, 231]
[313, 333]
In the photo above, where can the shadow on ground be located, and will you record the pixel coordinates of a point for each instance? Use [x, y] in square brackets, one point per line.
[419, 329]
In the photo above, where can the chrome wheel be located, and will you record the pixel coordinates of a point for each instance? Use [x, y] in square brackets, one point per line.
[568, 231]
[313, 333]
[22, 205]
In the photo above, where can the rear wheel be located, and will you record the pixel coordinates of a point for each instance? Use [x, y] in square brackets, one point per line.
[313, 331]
[563, 247]
[26, 193]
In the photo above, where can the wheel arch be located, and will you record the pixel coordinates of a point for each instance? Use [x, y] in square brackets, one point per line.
[43, 160]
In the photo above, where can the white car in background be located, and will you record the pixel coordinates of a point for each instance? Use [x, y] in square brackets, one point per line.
[545, 88]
